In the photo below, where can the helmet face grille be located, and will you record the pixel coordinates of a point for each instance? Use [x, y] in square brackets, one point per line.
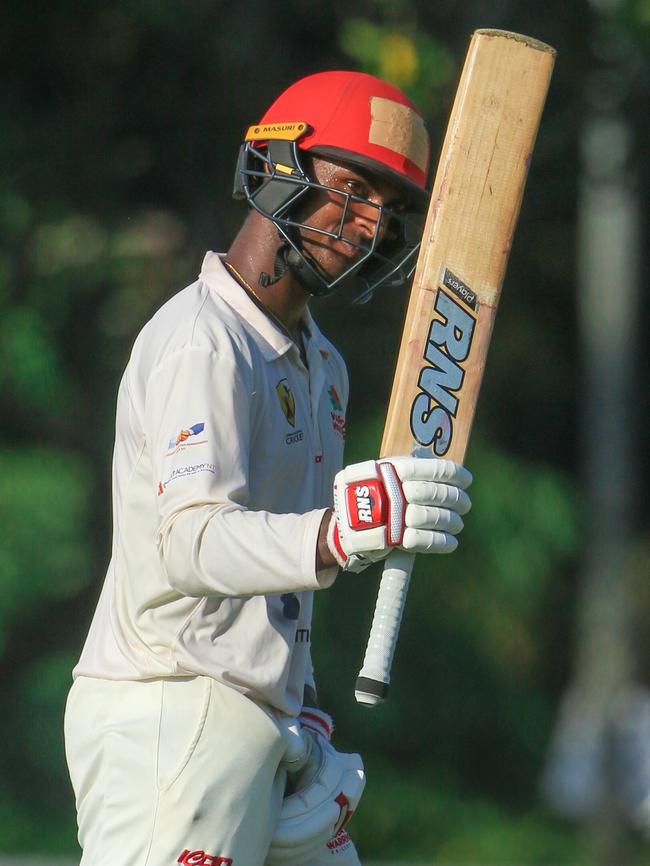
[275, 184]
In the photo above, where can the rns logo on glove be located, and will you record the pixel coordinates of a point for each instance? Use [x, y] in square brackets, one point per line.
[366, 505]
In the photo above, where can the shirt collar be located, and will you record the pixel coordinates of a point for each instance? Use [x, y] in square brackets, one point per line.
[274, 342]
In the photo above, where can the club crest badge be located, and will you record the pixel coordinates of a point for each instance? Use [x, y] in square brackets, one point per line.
[287, 401]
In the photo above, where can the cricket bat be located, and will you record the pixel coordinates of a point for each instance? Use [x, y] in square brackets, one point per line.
[467, 237]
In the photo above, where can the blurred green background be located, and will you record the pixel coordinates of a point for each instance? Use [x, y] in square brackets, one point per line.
[119, 128]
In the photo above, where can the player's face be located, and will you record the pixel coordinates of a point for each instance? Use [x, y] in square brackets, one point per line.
[338, 235]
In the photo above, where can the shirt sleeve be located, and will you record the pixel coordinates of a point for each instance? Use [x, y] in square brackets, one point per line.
[198, 420]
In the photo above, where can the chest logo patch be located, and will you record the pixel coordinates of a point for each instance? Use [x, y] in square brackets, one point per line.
[335, 400]
[287, 401]
[338, 419]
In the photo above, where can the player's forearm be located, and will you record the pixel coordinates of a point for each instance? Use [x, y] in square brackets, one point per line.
[228, 551]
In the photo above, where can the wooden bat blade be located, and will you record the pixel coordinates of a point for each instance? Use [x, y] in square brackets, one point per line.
[470, 225]
[467, 238]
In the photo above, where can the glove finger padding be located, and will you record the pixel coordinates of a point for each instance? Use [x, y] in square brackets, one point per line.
[431, 469]
[310, 817]
[425, 541]
[298, 747]
[436, 493]
[377, 502]
[433, 518]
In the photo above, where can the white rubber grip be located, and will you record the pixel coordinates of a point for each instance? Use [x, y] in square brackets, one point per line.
[372, 683]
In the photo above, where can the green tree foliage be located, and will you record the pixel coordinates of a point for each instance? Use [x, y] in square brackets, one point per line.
[410, 59]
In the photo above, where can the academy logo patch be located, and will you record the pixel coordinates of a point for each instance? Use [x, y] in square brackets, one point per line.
[180, 440]
[186, 472]
[287, 401]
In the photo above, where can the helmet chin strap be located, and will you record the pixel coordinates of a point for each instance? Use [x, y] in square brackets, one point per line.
[279, 267]
[287, 257]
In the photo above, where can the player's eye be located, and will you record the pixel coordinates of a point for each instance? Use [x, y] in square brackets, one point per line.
[397, 207]
[391, 227]
[356, 187]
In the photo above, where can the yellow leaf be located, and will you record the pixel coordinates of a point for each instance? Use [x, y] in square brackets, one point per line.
[398, 59]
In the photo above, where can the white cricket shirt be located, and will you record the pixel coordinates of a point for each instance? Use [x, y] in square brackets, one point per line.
[226, 448]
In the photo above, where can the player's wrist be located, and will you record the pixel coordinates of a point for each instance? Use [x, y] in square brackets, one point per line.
[325, 558]
[318, 722]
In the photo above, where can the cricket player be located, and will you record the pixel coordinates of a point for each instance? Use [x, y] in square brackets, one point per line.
[193, 732]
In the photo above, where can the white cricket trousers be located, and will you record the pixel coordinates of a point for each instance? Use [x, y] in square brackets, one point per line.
[180, 770]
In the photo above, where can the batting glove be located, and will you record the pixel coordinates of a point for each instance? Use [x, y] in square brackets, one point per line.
[412, 503]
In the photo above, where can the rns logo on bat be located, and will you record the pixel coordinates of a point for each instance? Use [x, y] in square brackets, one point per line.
[447, 347]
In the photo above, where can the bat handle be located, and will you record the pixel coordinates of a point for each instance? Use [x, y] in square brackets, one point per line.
[372, 683]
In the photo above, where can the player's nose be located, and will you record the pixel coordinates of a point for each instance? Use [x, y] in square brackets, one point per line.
[366, 218]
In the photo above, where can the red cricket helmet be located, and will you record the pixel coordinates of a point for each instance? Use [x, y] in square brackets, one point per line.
[362, 119]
